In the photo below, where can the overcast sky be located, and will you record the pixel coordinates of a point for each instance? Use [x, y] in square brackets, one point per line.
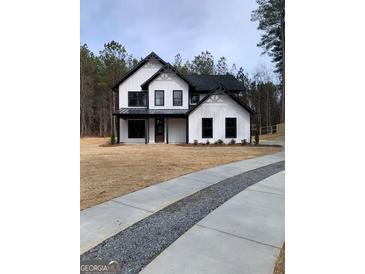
[169, 27]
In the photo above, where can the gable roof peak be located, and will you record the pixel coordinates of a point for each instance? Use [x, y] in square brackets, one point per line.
[151, 56]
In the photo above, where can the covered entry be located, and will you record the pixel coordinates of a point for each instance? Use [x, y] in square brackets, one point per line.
[142, 125]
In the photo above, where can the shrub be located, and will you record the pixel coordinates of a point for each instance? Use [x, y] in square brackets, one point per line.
[207, 142]
[196, 142]
[232, 142]
[112, 139]
[244, 142]
[218, 142]
[257, 138]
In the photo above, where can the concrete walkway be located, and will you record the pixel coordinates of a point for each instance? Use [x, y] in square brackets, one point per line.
[244, 235]
[107, 219]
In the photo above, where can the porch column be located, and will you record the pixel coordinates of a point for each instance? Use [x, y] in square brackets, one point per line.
[145, 131]
[148, 130]
[118, 128]
[187, 130]
[167, 130]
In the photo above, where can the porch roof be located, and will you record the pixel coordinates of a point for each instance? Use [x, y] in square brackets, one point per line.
[145, 112]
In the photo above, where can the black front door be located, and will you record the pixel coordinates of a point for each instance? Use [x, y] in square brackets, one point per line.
[159, 130]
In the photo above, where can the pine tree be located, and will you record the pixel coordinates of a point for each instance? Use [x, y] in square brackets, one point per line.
[221, 67]
[271, 17]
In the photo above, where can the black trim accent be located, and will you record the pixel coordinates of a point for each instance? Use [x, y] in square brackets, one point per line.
[163, 98]
[150, 56]
[167, 130]
[173, 98]
[187, 130]
[222, 90]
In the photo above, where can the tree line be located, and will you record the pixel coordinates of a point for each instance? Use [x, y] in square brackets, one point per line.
[98, 73]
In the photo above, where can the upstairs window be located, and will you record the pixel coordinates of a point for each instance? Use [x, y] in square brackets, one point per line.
[137, 99]
[207, 127]
[194, 99]
[231, 127]
[159, 98]
[177, 98]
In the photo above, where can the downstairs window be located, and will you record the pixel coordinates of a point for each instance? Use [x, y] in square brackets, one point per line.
[136, 128]
[231, 127]
[207, 127]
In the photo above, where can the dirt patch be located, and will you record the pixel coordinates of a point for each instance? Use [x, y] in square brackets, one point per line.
[110, 171]
[280, 262]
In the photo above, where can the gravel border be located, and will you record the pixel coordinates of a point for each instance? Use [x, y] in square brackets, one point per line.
[140, 243]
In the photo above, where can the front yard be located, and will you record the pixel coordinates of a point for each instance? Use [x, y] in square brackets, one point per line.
[108, 172]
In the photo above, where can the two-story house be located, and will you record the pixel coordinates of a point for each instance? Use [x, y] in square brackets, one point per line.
[158, 104]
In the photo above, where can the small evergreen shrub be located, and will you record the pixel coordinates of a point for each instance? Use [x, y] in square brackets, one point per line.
[244, 142]
[232, 142]
[207, 142]
[257, 138]
[218, 142]
[196, 142]
[112, 139]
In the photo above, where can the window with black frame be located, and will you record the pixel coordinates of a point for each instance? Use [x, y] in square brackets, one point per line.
[194, 99]
[136, 128]
[177, 98]
[231, 127]
[159, 98]
[207, 127]
[137, 99]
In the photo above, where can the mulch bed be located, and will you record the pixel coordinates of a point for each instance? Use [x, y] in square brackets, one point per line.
[224, 145]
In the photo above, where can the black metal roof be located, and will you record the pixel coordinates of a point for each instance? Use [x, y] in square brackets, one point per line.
[150, 112]
[150, 56]
[209, 82]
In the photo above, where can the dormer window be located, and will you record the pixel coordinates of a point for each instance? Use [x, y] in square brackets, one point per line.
[194, 99]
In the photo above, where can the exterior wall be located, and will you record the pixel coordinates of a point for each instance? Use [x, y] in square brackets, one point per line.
[124, 134]
[168, 82]
[133, 82]
[219, 107]
[177, 131]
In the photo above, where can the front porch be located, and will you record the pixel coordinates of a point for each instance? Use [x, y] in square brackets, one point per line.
[152, 126]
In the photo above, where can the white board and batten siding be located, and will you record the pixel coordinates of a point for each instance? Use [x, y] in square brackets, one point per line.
[177, 131]
[168, 82]
[133, 82]
[219, 107]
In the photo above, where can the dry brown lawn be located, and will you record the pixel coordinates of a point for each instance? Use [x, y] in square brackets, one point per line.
[280, 262]
[108, 172]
